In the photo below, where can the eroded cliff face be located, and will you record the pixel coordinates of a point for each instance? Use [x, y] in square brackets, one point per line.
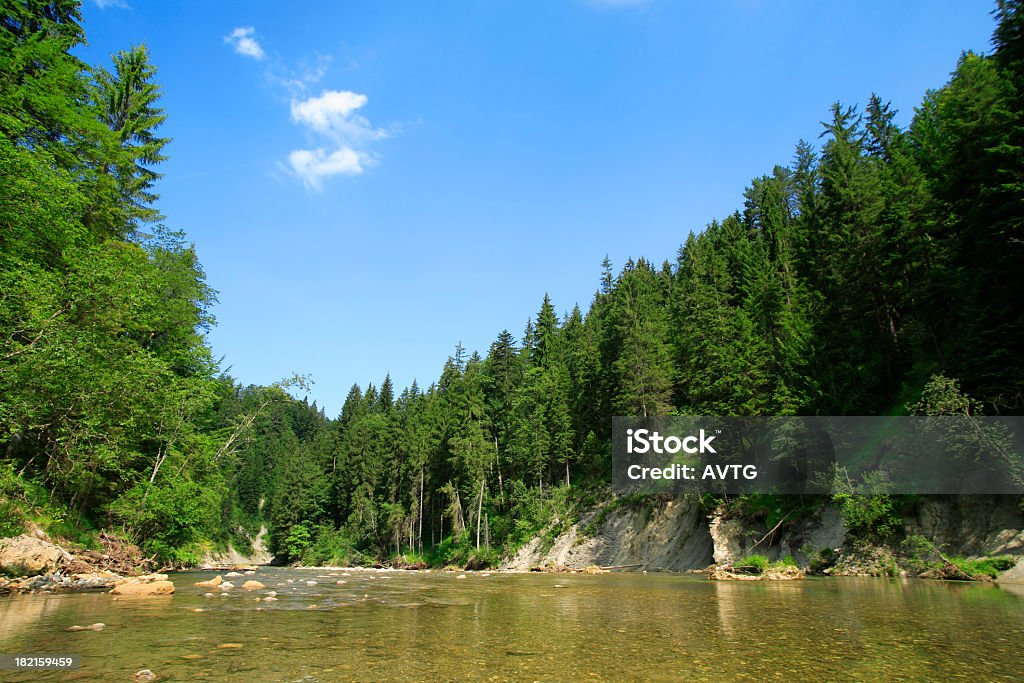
[668, 534]
[680, 534]
[259, 554]
[970, 525]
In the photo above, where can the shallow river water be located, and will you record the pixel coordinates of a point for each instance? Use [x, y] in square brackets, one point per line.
[435, 626]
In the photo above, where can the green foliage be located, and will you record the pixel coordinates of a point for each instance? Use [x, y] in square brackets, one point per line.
[13, 494]
[821, 560]
[883, 257]
[169, 516]
[755, 564]
[296, 542]
[774, 509]
[868, 515]
[985, 566]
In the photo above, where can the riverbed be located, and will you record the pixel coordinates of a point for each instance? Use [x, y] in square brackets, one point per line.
[353, 625]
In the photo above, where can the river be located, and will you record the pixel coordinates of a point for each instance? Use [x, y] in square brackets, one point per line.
[436, 626]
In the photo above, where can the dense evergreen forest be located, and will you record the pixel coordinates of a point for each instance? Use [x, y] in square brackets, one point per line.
[879, 271]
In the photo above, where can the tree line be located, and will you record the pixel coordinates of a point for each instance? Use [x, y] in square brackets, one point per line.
[880, 264]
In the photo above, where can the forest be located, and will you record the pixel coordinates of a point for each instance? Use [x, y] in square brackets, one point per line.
[879, 271]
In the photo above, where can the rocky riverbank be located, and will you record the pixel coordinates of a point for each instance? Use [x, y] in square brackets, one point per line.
[32, 563]
[676, 533]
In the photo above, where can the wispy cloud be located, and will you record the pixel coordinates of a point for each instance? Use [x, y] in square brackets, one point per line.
[104, 4]
[333, 117]
[312, 166]
[297, 81]
[338, 135]
[243, 39]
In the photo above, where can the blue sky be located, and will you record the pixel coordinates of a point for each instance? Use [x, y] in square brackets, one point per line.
[368, 183]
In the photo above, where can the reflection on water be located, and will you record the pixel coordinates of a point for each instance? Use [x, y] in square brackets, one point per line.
[432, 626]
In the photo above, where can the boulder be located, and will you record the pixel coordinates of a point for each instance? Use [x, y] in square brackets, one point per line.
[148, 588]
[150, 578]
[212, 583]
[252, 585]
[28, 556]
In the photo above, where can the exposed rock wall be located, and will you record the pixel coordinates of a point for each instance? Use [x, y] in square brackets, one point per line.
[259, 554]
[970, 525]
[665, 534]
[27, 555]
[679, 534]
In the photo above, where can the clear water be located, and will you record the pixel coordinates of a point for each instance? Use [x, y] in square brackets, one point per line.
[434, 626]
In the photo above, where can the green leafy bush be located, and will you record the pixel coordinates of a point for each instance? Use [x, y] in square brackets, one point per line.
[332, 547]
[985, 566]
[167, 519]
[868, 514]
[754, 564]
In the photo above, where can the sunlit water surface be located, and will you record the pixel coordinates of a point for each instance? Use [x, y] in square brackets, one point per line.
[435, 626]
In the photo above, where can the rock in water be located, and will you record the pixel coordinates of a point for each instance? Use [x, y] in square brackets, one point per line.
[151, 588]
[252, 585]
[28, 555]
[144, 676]
[212, 583]
[148, 578]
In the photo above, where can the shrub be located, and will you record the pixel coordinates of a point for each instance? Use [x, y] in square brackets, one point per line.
[334, 547]
[985, 566]
[170, 520]
[754, 564]
[868, 515]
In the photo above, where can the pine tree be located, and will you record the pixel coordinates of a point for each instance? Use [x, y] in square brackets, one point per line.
[125, 102]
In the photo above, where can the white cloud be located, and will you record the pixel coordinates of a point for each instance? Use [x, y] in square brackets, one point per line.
[104, 4]
[315, 165]
[243, 39]
[333, 116]
[328, 112]
[338, 135]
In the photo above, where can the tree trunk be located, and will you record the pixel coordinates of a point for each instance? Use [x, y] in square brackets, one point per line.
[497, 463]
[420, 520]
[479, 511]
